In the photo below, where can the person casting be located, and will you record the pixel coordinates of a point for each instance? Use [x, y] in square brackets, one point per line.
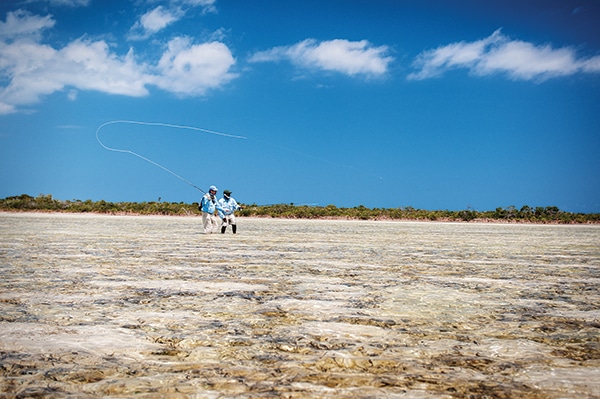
[208, 206]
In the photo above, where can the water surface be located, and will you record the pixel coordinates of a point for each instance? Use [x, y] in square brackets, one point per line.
[147, 307]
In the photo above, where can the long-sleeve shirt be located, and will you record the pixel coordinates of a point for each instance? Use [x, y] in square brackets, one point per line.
[227, 206]
[208, 204]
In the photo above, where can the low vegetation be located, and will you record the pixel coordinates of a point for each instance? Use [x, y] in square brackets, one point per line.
[525, 214]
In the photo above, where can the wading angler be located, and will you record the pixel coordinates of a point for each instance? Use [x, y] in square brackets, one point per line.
[227, 207]
[208, 206]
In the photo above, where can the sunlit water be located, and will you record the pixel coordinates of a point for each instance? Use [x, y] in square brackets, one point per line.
[147, 307]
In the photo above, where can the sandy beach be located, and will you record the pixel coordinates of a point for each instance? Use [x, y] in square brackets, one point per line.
[148, 307]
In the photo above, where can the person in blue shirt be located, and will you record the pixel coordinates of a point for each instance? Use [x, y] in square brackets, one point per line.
[208, 206]
[226, 208]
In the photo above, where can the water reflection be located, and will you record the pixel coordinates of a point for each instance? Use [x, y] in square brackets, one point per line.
[149, 307]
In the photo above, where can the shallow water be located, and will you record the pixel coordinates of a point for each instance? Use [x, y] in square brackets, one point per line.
[147, 307]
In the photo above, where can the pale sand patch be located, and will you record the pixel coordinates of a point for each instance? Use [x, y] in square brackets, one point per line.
[122, 306]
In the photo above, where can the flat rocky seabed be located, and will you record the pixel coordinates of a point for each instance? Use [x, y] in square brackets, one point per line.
[148, 307]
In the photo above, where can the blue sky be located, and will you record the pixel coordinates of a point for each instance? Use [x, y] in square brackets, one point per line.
[429, 104]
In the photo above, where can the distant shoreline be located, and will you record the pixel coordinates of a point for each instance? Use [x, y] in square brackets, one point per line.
[424, 220]
[511, 214]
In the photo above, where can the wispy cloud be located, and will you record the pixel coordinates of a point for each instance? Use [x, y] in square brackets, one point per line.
[207, 5]
[30, 69]
[343, 56]
[161, 16]
[68, 3]
[153, 21]
[20, 23]
[498, 54]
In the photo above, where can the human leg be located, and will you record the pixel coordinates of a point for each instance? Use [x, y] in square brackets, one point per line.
[206, 223]
[214, 227]
[231, 220]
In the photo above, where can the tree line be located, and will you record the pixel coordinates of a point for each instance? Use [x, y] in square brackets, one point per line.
[525, 214]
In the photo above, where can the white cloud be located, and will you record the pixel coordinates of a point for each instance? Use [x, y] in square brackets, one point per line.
[30, 70]
[591, 64]
[203, 3]
[157, 19]
[71, 3]
[207, 5]
[189, 69]
[152, 22]
[91, 66]
[160, 17]
[35, 70]
[63, 3]
[20, 24]
[343, 56]
[497, 54]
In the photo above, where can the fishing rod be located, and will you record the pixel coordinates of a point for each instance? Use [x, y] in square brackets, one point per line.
[126, 151]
